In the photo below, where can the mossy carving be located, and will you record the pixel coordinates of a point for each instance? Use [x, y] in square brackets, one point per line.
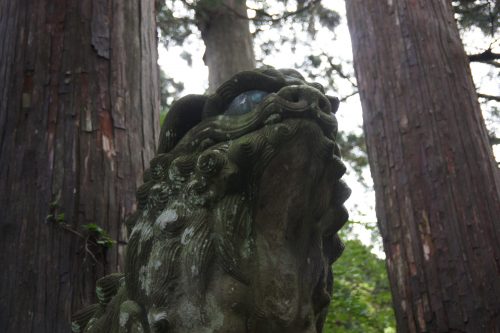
[237, 220]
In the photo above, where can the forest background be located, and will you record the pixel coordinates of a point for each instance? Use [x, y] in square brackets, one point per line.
[87, 70]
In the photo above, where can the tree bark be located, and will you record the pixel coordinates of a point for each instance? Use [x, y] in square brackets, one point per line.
[436, 183]
[225, 31]
[78, 125]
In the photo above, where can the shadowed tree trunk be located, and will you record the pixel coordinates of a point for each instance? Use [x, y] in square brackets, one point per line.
[436, 182]
[78, 125]
[225, 32]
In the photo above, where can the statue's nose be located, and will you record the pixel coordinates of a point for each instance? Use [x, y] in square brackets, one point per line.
[303, 97]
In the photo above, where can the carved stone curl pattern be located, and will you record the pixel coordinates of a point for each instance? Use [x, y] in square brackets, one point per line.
[237, 220]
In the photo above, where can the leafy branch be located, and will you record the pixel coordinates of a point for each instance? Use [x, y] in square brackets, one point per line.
[93, 235]
[101, 236]
[273, 18]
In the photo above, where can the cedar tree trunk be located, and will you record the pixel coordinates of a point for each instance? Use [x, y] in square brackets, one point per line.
[78, 125]
[435, 178]
[229, 44]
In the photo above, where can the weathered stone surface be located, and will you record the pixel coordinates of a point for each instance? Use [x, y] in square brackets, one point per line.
[237, 218]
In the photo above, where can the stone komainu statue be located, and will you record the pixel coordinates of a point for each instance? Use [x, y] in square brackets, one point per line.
[237, 220]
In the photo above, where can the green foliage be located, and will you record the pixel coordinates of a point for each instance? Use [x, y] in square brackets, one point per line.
[101, 236]
[328, 18]
[163, 115]
[306, 15]
[174, 28]
[483, 14]
[91, 233]
[170, 90]
[353, 149]
[361, 295]
[295, 27]
[60, 218]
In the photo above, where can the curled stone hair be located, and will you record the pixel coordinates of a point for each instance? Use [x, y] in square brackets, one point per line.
[237, 219]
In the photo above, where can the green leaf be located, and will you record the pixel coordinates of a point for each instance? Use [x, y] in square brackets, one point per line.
[92, 227]
[102, 237]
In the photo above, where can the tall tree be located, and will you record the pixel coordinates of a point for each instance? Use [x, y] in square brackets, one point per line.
[78, 125]
[226, 34]
[437, 186]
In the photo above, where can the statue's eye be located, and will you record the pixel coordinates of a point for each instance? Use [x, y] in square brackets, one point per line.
[245, 102]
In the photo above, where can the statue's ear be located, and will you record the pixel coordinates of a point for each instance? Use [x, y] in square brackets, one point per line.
[182, 116]
[334, 102]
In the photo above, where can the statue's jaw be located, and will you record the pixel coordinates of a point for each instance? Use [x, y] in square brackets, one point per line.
[295, 213]
[295, 209]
